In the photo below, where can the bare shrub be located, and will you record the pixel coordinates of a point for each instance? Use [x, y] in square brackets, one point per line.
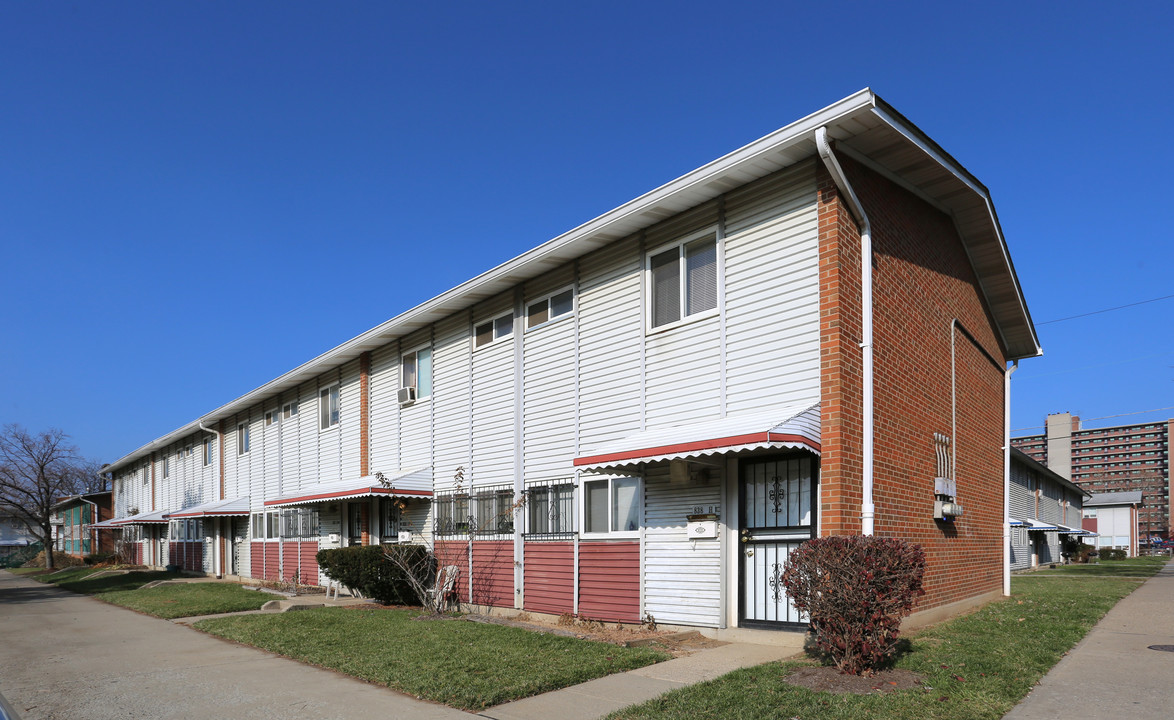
[855, 590]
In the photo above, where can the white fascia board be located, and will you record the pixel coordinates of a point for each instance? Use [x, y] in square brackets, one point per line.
[575, 242]
[917, 138]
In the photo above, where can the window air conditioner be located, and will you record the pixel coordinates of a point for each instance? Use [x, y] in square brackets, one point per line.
[407, 395]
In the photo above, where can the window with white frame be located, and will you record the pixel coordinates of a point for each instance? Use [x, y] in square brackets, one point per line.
[270, 417]
[611, 506]
[242, 439]
[416, 371]
[493, 330]
[265, 525]
[328, 408]
[548, 509]
[550, 308]
[682, 280]
[1090, 512]
[166, 466]
[146, 474]
[289, 410]
[207, 451]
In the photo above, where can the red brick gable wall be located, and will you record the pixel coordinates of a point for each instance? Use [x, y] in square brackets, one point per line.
[922, 279]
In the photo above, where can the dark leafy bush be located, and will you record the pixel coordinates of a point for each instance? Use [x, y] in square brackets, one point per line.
[855, 590]
[368, 570]
[1112, 554]
[98, 558]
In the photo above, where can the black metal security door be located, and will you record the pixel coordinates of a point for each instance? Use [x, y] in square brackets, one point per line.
[777, 515]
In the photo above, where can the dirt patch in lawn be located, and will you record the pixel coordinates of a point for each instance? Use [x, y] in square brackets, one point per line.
[829, 679]
[675, 643]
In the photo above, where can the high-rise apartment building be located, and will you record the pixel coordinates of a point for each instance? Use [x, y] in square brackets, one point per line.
[1123, 458]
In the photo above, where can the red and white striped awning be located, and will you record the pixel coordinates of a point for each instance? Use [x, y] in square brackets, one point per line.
[787, 427]
[235, 507]
[411, 483]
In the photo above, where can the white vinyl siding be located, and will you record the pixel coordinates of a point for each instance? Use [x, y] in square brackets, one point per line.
[611, 326]
[772, 293]
[493, 411]
[452, 362]
[384, 409]
[682, 577]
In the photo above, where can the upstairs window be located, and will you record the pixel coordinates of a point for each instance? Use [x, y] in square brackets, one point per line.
[416, 372]
[270, 417]
[550, 308]
[289, 410]
[328, 407]
[491, 330]
[207, 451]
[682, 281]
[166, 466]
[242, 439]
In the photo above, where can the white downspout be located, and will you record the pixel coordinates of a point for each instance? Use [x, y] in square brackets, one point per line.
[1007, 477]
[217, 560]
[867, 509]
[94, 547]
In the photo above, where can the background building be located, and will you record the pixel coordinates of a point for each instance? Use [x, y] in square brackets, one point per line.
[1124, 458]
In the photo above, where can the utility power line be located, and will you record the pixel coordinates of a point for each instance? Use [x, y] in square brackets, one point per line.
[1105, 310]
[1103, 417]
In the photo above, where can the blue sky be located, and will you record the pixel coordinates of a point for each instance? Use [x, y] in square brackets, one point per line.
[197, 197]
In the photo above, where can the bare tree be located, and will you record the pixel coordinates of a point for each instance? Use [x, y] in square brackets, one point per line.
[36, 470]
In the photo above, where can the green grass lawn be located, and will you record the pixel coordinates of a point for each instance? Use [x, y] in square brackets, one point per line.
[976, 666]
[188, 599]
[463, 664]
[1130, 567]
[78, 580]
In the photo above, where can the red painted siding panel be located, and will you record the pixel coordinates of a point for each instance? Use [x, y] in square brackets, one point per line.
[263, 558]
[492, 570]
[609, 581]
[493, 573]
[455, 553]
[300, 557]
[550, 577]
[187, 555]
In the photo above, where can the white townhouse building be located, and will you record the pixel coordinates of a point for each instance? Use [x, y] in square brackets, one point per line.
[674, 394]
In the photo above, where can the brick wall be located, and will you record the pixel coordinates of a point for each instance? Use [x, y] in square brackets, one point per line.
[922, 280]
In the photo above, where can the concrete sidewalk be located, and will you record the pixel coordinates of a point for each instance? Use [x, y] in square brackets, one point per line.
[596, 698]
[1112, 673]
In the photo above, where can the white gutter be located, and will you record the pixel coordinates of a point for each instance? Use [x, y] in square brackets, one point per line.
[867, 508]
[1007, 478]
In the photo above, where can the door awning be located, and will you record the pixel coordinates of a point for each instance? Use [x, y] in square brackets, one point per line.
[104, 525]
[147, 518]
[235, 507]
[788, 427]
[1039, 525]
[411, 483]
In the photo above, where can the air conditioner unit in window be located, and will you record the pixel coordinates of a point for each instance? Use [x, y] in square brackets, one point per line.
[407, 395]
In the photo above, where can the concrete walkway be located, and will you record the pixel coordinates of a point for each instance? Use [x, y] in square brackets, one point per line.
[1112, 673]
[69, 656]
[596, 698]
